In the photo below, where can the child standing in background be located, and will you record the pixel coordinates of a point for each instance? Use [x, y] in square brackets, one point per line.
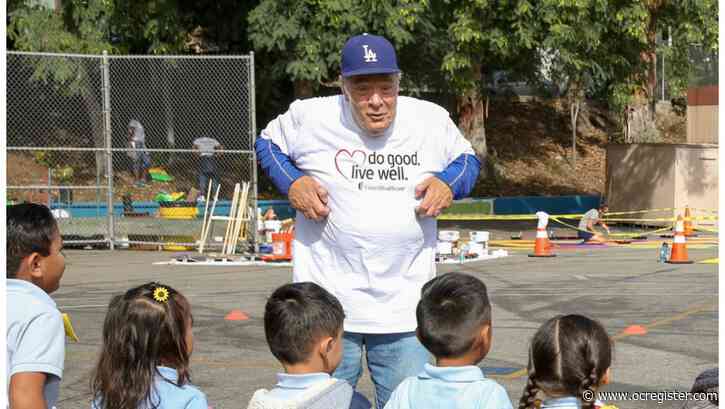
[144, 360]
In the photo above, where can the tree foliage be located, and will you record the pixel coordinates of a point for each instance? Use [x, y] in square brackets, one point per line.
[306, 36]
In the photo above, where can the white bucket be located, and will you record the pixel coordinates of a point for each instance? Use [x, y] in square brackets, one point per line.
[448, 235]
[479, 236]
[444, 247]
[477, 248]
[273, 225]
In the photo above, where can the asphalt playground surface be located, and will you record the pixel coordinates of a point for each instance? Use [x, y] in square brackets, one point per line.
[619, 285]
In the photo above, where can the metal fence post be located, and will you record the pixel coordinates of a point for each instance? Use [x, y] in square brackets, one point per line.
[252, 136]
[106, 90]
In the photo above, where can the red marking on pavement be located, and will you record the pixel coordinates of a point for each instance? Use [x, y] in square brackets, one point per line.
[236, 315]
[635, 330]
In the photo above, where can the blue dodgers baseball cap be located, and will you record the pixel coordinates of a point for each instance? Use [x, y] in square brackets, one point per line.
[368, 54]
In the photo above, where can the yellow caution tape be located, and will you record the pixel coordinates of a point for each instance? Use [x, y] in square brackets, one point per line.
[69, 332]
[615, 234]
[662, 219]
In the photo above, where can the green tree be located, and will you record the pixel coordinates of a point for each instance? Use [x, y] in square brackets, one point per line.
[691, 23]
[76, 28]
[572, 36]
[305, 36]
[485, 35]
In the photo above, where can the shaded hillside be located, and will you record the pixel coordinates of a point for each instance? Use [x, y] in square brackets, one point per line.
[529, 147]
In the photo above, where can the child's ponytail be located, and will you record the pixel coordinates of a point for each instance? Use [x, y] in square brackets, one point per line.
[528, 398]
[586, 392]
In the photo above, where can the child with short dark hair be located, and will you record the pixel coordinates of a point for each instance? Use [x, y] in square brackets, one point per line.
[454, 324]
[35, 332]
[303, 327]
[569, 361]
[144, 359]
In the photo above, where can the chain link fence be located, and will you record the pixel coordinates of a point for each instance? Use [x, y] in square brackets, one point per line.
[123, 148]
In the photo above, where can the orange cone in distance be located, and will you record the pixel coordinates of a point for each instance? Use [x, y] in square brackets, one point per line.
[236, 315]
[542, 246]
[679, 246]
[688, 223]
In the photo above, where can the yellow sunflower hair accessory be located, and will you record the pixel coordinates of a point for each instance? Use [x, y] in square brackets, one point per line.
[161, 294]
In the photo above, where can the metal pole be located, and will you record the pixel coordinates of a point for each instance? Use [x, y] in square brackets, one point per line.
[663, 76]
[106, 89]
[252, 136]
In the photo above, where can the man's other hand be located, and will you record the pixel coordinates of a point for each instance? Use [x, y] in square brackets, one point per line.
[309, 197]
[436, 194]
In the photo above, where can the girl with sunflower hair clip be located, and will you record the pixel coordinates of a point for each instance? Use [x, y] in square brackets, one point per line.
[569, 360]
[147, 342]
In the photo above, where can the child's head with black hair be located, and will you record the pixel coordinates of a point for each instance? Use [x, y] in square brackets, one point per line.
[569, 356]
[303, 324]
[454, 319]
[34, 246]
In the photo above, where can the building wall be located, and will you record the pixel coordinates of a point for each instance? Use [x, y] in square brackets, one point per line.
[658, 176]
[702, 110]
[696, 179]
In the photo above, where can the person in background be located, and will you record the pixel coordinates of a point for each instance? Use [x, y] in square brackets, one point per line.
[141, 161]
[589, 220]
[206, 148]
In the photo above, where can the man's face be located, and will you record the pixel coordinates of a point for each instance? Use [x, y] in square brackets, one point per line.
[373, 99]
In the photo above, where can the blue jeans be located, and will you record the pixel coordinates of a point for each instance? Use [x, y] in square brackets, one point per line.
[391, 358]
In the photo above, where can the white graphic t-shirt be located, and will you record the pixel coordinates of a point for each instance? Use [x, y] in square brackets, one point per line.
[591, 216]
[206, 145]
[372, 252]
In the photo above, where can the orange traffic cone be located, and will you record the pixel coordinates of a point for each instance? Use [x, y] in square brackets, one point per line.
[679, 247]
[542, 245]
[688, 223]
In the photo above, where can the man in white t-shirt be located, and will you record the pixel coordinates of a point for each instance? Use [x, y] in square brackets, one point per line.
[141, 161]
[588, 221]
[206, 147]
[368, 172]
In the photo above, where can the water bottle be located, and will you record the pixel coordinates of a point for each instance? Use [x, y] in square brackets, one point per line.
[663, 252]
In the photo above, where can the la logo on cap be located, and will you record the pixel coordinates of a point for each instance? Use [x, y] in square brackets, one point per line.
[370, 55]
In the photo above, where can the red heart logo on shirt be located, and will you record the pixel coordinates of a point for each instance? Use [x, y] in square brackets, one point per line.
[345, 160]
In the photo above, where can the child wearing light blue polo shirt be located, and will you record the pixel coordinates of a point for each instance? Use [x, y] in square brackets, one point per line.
[147, 343]
[454, 324]
[35, 333]
[303, 326]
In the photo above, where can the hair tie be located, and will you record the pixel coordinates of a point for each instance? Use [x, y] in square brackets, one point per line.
[161, 294]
